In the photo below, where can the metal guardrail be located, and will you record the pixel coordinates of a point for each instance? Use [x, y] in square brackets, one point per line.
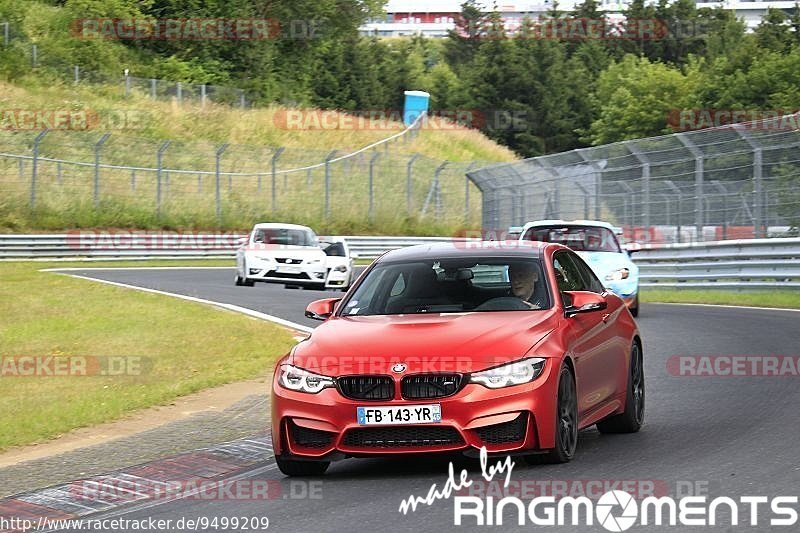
[739, 264]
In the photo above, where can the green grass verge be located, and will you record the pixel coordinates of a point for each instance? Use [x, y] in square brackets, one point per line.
[785, 299]
[184, 347]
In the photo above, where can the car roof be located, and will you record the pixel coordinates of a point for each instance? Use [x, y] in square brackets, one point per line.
[278, 225]
[559, 222]
[448, 250]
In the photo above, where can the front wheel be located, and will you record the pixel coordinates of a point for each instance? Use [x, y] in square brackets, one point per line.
[566, 422]
[630, 420]
[290, 467]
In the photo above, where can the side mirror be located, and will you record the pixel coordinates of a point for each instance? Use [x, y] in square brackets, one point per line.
[353, 255]
[576, 302]
[321, 309]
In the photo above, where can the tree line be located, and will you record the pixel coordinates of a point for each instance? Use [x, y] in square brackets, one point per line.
[566, 80]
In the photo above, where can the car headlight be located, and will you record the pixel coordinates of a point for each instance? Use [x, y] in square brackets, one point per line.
[618, 275]
[340, 268]
[515, 373]
[297, 379]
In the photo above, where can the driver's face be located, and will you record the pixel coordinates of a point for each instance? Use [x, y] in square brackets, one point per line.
[523, 281]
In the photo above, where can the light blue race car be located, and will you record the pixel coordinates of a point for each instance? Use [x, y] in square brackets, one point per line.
[596, 242]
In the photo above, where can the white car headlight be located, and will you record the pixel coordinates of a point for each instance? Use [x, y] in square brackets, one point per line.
[297, 379]
[340, 268]
[618, 275]
[515, 373]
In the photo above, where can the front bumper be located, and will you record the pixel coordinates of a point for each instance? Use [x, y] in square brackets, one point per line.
[323, 426]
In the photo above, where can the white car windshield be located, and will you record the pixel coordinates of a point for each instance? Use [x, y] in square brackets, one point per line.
[285, 236]
[579, 238]
[451, 286]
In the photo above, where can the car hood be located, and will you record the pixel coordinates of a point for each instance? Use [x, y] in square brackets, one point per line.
[446, 342]
[603, 263]
[295, 252]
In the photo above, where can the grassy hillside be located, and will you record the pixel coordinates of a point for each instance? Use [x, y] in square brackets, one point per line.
[138, 125]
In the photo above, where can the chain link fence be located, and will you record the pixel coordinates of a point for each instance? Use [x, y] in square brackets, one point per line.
[197, 184]
[736, 181]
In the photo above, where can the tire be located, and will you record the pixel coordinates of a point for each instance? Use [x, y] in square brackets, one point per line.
[293, 468]
[634, 309]
[566, 422]
[238, 280]
[631, 420]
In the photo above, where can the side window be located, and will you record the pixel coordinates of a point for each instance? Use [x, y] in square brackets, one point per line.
[399, 286]
[567, 274]
[592, 283]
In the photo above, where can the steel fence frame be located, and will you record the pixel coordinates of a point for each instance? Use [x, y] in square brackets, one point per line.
[708, 184]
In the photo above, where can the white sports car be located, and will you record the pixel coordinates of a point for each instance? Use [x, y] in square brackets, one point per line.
[292, 255]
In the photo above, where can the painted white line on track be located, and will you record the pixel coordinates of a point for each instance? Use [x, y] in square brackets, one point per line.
[229, 307]
[72, 269]
[728, 306]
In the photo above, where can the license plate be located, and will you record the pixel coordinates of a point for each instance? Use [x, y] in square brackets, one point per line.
[289, 269]
[410, 414]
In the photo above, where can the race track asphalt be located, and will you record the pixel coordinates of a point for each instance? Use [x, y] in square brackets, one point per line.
[725, 436]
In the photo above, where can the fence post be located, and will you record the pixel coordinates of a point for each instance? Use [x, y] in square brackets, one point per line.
[758, 214]
[409, 181]
[179, 93]
[372, 161]
[35, 167]
[159, 173]
[76, 70]
[203, 96]
[585, 199]
[466, 191]
[97, 147]
[328, 183]
[679, 213]
[274, 168]
[218, 196]
[242, 100]
[34, 55]
[724, 191]
[127, 84]
[699, 206]
[435, 193]
[153, 83]
[133, 180]
[58, 173]
[5, 34]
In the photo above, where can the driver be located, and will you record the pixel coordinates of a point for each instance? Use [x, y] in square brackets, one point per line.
[523, 278]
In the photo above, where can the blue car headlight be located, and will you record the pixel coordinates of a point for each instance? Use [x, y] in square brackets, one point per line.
[618, 275]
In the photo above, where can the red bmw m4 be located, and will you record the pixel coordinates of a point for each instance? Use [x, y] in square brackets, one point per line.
[453, 347]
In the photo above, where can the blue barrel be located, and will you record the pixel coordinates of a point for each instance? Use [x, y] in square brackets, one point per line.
[416, 104]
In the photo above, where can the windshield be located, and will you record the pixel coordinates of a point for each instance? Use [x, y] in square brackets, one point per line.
[579, 238]
[286, 236]
[451, 286]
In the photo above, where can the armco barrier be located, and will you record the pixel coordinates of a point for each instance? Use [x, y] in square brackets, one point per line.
[739, 264]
